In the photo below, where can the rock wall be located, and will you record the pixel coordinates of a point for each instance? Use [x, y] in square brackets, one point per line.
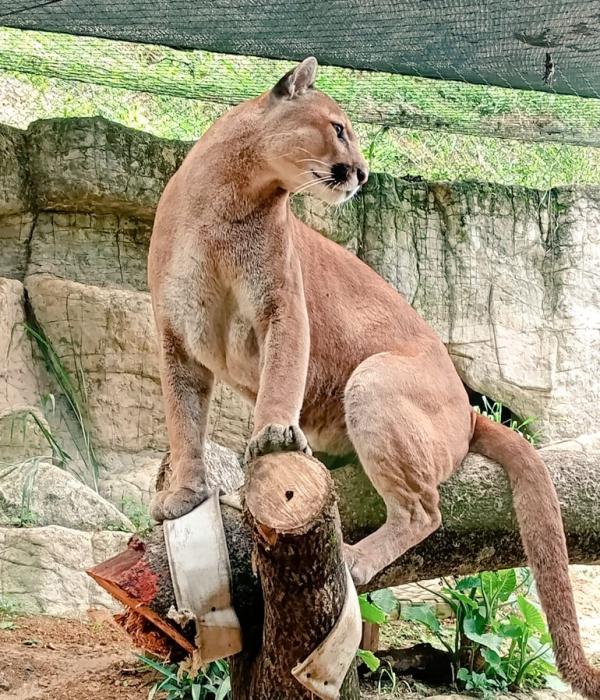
[507, 276]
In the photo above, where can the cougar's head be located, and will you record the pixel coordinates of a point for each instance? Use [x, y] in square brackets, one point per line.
[309, 142]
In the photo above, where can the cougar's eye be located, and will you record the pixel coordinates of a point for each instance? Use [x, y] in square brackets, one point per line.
[339, 130]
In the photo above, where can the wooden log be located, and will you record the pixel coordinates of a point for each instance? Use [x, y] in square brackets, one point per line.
[478, 534]
[479, 531]
[140, 579]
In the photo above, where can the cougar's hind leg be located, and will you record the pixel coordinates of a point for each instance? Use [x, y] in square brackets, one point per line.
[187, 388]
[403, 451]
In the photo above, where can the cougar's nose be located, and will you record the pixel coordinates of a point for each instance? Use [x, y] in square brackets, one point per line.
[361, 176]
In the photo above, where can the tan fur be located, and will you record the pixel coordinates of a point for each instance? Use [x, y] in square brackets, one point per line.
[244, 292]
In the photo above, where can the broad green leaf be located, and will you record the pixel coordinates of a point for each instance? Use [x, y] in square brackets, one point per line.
[489, 583]
[467, 583]
[224, 689]
[423, 614]
[512, 631]
[384, 599]
[463, 674]
[533, 616]
[370, 612]
[494, 660]
[486, 639]
[491, 656]
[368, 658]
[476, 622]
[464, 599]
[508, 584]
[196, 690]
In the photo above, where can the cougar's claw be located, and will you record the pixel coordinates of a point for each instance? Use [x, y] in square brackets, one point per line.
[277, 438]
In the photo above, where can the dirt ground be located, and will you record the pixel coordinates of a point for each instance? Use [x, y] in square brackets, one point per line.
[53, 659]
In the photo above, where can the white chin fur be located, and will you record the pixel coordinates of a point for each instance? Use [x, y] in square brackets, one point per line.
[330, 196]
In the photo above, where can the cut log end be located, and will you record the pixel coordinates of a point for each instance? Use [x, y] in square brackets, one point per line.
[132, 578]
[286, 492]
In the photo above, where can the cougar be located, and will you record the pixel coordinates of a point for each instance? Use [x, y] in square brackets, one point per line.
[328, 353]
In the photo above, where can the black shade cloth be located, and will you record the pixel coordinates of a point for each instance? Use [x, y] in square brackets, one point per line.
[521, 44]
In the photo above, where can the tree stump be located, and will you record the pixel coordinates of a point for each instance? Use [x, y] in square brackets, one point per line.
[292, 513]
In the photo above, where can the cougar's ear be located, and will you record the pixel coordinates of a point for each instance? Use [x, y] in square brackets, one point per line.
[298, 80]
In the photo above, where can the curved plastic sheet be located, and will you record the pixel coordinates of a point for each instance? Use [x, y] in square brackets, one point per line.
[323, 672]
[201, 574]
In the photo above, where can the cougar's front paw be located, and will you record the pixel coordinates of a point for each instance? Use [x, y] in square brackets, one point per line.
[359, 565]
[171, 504]
[277, 438]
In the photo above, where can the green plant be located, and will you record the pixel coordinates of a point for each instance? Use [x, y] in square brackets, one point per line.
[375, 608]
[138, 513]
[387, 678]
[494, 411]
[210, 683]
[59, 456]
[9, 609]
[26, 517]
[76, 399]
[499, 640]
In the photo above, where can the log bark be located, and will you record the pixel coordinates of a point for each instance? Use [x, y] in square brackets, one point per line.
[479, 530]
[140, 579]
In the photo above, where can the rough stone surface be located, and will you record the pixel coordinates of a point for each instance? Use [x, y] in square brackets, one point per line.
[42, 569]
[21, 437]
[18, 384]
[96, 165]
[20, 415]
[507, 277]
[15, 217]
[91, 248]
[105, 338]
[43, 494]
[131, 478]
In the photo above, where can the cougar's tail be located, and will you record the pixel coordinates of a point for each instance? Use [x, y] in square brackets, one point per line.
[538, 513]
